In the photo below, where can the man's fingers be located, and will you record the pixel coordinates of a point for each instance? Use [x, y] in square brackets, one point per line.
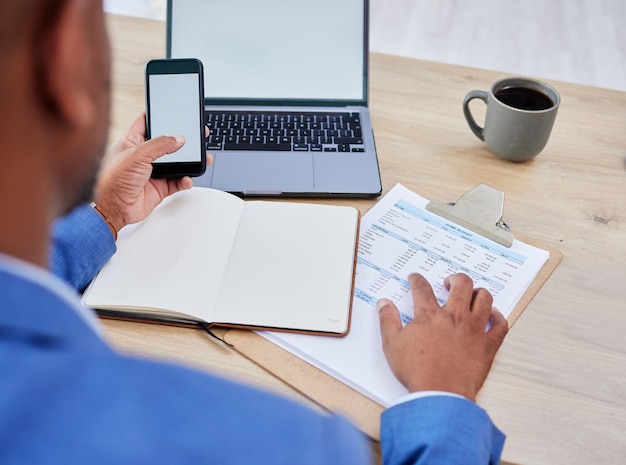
[482, 303]
[499, 329]
[461, 289]
[181, 184]
[422, 293]
[139, 125]
[390, 323]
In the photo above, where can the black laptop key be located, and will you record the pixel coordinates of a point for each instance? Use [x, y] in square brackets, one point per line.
[349, 140]
[214, 142]
[301, 147]
[343, 147]
[259, 147]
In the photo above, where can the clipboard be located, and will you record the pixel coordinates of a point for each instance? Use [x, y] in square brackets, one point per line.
[480, 210]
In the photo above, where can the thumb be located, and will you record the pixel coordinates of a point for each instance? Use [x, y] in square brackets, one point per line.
[155, 148]
[390, 323]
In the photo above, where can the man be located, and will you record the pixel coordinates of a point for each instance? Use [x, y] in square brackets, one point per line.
[67, 398]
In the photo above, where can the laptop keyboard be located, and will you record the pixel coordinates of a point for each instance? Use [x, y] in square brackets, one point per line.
[284, 131]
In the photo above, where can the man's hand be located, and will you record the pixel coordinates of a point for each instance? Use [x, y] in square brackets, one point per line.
[443, 348]
[125, 192]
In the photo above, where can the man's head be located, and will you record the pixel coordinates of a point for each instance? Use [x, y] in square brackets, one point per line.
[55, 89]
[54, 115]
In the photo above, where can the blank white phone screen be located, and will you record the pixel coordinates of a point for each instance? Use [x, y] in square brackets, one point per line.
[175, 110]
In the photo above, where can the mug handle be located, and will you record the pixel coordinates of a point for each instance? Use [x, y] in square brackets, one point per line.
[476, 129]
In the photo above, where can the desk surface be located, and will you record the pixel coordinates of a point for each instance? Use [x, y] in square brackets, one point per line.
[558, 386]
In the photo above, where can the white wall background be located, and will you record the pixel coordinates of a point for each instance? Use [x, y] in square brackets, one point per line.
[582, 41]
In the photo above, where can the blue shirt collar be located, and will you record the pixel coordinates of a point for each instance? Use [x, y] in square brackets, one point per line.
[35, 300]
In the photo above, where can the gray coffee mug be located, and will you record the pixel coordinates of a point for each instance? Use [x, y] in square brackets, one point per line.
[519, 119]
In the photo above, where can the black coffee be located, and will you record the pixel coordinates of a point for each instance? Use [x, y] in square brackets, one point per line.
[524, 98]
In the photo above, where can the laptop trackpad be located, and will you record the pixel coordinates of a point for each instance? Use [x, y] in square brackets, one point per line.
[263, 173]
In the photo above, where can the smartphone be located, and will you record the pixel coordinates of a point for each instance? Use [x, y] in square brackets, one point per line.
[175, 106]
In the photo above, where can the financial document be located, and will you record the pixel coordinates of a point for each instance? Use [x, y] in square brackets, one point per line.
[399, 236]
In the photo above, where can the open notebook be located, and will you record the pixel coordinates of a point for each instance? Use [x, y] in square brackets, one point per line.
[208, 256]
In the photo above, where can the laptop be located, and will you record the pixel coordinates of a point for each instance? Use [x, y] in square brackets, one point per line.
[286, 87]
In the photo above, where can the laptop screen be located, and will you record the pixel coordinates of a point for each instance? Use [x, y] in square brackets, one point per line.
[274, 50]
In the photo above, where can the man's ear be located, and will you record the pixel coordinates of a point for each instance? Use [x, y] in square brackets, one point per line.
[65, 65]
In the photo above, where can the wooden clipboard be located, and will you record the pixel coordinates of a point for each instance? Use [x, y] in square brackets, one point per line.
[336, 396]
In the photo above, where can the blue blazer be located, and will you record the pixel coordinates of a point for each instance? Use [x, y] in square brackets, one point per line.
[68, 398]
[439, 430]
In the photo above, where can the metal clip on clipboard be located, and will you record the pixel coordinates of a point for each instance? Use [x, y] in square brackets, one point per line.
[479, 210]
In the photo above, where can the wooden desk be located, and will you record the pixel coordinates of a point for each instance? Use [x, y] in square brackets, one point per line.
[558, 386]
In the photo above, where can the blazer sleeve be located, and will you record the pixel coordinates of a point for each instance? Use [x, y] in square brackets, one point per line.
[81, 244]
[439, 429]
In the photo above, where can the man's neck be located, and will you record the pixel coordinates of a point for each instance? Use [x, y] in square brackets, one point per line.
[26, 218]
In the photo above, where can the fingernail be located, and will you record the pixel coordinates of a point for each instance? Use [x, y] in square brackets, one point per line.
[381, 303]
[180, 139]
